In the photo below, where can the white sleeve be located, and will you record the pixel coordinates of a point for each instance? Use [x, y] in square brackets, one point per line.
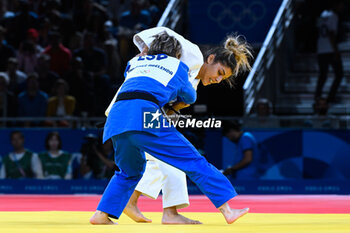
[191, 54]
[36, 166]
[112, 102]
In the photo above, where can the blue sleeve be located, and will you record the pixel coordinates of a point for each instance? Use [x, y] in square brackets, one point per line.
[186, 93]
[247, 143]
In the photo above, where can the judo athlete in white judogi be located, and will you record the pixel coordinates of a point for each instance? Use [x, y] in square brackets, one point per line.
[151, 82]
[159, 175]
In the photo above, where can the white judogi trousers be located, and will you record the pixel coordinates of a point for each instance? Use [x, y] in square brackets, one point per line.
[161, 176]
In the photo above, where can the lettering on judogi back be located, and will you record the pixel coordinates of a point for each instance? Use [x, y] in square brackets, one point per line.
[161, 66]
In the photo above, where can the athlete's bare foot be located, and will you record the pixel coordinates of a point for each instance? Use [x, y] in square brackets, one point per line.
[231, 215]
[133, 212]
[101, 218]
[171, 216]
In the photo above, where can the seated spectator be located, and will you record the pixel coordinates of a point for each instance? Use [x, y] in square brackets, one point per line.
[246, 157]
[44, 29]
[27, 57]
[33, 36]
[156, 8]
[263, 117]
[96, 160]
[6, 51]
[4, 12]
[94, 59]
[132, 22]
[61, 104]
[32, 102]
[90, 164]
[7, 98]
[21, 163]
[23, 20]
[81, 85]
[116, 7]
[47, 78]
[113, 66]
[56, 163]
[321, 118]
[136, 19]
[106, 155]
[60, 55]
[75, 41]
[17, 79]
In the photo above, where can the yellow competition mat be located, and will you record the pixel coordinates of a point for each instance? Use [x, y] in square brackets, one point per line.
[78, 222]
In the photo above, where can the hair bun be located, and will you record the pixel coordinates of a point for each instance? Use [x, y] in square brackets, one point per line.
[242, 52]
[231, 43]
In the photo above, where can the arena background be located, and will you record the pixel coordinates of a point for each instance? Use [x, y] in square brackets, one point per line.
[300, 150]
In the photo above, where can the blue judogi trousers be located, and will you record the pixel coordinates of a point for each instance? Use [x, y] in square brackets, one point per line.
[170, 147]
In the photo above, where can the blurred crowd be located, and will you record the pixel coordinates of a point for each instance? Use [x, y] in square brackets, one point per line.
[66, 58]
[94, 161]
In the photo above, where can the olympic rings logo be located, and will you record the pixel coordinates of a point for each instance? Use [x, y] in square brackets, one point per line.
[236, 14]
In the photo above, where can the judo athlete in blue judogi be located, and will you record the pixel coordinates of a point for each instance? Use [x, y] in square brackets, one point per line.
[150, 82]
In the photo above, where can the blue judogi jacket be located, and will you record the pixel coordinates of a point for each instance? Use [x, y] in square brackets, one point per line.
[166, 78]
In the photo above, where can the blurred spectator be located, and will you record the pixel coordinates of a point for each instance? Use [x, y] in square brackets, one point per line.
[132, 22]
[7, 98]
[47, 78]
[82, 87]
[60, 55]
[116, 7]
[32, 102]
[27, 57]
[327, 49]
[6, 51]
[246, 157]
[95, 161]
[95, 62]
[61, 104]
[136, 19]
[45, 26]
[263, 108]
[82, 12]
[56, 163]
[113, 66]
[21, 163]
[75, 41]
[321, 118]
[96, 23]
[4, 13]
[33, 36]
[18, 26]
[106, 155]
[156, 8]
[263, 117]
[94, 59]
[17, 79]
